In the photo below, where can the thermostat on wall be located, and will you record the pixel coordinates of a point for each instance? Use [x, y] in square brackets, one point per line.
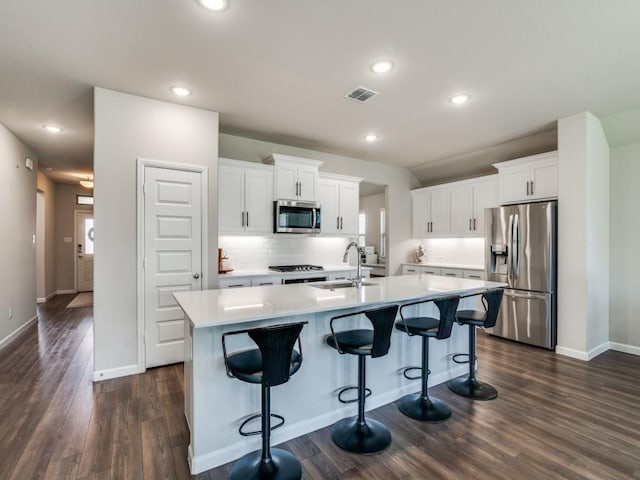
[28, 163]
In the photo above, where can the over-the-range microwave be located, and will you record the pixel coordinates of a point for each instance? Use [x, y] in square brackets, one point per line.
[292, 216]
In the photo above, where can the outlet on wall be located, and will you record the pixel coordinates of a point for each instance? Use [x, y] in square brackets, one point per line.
[10, 313]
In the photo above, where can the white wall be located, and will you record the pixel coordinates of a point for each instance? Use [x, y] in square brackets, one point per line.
[583, 236]
[18, 220]
[126, 128]
[399, 181]
[371, 206]
[625, 254]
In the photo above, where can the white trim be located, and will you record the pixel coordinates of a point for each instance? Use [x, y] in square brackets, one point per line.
[65, 292]
[241, 446]
[17, 332]
[77, 212]
[47, 298]
[142, 163]
[582, 355]
[621, 347]
[109, 373]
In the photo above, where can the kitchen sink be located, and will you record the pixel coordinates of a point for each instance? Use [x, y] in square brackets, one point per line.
[334, 285]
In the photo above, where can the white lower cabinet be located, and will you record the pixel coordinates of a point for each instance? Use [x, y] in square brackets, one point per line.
[270, 280]
[451, 272]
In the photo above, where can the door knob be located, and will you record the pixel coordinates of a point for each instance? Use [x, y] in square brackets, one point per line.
[196, 276]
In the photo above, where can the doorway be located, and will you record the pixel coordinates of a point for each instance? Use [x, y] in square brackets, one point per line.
[84, 243]
[373, 225]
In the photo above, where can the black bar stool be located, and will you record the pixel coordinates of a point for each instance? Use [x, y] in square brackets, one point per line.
[418, 405]
[469, 386]
[271, 364]
[360, 434]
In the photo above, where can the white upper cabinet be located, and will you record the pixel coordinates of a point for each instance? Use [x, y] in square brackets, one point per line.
[529, 178]
[245, 193]
[295, 178]
[431, 211]
[453, 209]
[339, 200]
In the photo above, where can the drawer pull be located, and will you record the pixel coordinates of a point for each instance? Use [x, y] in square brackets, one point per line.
[451, 274]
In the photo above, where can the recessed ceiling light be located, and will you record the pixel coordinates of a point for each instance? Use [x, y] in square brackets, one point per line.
[371, 137]
[460, 99]
[181, 91]
[214, 5]
[382, 66]
[52, 128]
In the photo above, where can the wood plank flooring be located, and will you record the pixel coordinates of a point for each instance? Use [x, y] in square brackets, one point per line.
[554, 418]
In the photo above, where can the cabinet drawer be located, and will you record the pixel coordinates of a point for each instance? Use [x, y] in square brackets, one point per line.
[451, 272]
[474, 274]
[234, 282]
[266, 280]
[410, 270]
[431, 270]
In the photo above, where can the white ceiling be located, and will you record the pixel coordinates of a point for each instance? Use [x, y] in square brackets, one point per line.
[278, 69]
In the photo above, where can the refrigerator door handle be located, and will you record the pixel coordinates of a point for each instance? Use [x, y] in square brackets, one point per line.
[510, 251]
[537, 296]
[515, 248]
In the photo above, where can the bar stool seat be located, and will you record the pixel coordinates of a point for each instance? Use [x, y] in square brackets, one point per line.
[271, 364]
[420, 406]
[360, 434]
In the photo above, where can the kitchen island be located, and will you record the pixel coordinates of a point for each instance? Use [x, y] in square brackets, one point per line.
[215, 405]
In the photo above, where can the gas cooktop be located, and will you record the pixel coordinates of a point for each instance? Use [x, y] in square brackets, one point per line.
[295, 268]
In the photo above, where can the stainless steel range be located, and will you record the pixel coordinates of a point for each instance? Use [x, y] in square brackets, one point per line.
[314, 273]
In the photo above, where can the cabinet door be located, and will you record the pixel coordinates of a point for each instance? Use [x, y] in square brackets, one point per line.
[544, 175]
[410, 270]
[451, 272]
[259, 201]
[266, 280]
[462, 209]
[349, 208]
[513, 184]
[440, 211]
[485, 195]
[431, 270]
[234, 282]
[328, 197]
[231, 199]
[286, 182]
[420, 213]
[308, 181]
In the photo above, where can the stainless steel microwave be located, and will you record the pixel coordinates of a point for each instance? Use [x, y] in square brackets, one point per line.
[291, 216]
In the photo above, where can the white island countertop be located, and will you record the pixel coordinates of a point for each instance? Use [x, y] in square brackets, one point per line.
[210, 308]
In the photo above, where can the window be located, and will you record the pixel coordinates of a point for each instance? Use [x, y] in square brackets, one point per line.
[84, 200]
[383, 234]
[362, 228]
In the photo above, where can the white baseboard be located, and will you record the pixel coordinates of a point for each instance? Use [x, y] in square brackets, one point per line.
[64, 292]
[17, 332]
[582, 355]
[200, 463]
[47, 298]
[621, 347]
[99, 375]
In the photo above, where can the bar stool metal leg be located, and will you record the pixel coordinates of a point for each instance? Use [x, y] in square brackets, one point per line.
[272, 464]
[418, 405]
[359, 434]
[469, 386]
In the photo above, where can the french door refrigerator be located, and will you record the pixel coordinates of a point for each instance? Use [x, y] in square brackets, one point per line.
[520, 250]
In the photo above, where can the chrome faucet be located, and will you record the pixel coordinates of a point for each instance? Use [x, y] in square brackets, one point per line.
[357, 282]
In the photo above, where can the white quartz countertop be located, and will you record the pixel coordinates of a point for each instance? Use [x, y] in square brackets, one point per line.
[266, 272]
[446, 265]
[210, 308]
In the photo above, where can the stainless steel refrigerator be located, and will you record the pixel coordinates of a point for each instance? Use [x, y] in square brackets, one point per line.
[520, 250]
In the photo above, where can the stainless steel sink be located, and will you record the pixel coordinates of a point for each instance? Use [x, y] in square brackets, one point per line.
[334, 285]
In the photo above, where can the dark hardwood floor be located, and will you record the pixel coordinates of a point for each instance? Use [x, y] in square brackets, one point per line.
[554, 418]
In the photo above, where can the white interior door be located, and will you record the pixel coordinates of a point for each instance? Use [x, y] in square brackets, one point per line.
[84, 250]
[172, 257]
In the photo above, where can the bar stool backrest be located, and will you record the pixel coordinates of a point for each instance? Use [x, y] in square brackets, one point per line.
[447, 307]
[492, 300]
[382, 320]
[276, 347]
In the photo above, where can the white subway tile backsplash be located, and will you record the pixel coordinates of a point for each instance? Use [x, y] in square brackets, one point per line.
[454, 251]
[248, 253]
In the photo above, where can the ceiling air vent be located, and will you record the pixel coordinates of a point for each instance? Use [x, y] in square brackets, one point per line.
[361, 94]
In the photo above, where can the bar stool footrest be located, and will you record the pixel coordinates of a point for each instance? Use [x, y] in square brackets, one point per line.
[258, 432]
[408, 369]
[456, 358]
[348, 389]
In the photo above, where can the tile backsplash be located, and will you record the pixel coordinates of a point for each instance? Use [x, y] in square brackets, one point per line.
[454, 251]
[249, 253]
